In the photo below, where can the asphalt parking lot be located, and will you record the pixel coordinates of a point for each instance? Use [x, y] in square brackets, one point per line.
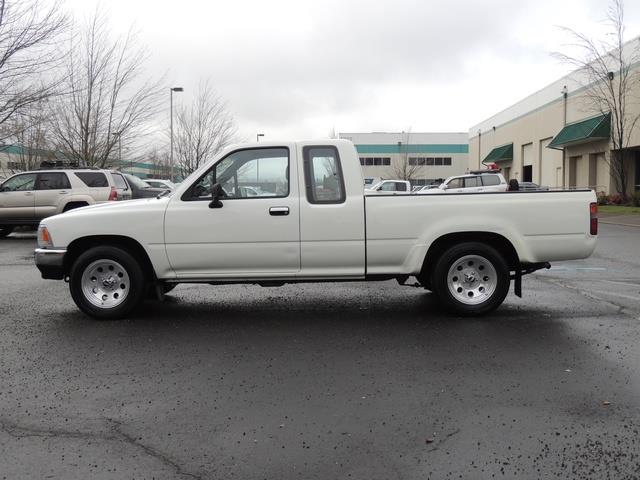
[353, 381]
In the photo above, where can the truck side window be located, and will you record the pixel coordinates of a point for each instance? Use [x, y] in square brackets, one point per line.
[323, 175]
[254, 173]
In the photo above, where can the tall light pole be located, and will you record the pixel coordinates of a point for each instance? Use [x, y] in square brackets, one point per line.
[258, 135]
[171, 90]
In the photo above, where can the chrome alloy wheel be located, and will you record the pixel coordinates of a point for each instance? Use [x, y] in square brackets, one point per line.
[472, 279]
[105, 283]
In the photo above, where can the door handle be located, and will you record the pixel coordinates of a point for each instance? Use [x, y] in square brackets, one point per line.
[29, 194]
[279, 211]
[61, 192]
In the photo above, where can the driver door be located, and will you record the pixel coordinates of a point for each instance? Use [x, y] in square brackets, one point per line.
[17, 198]
[256, 231]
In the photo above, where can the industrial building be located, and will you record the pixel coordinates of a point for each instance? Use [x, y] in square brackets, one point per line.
[420, 157]
[555, 137]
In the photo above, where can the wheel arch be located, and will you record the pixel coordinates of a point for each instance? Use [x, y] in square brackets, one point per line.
[74, 204]
[495, 240]
[81, 245]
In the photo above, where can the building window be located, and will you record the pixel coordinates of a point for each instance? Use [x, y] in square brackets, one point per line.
[375, 161]
[13, 165]
[430, 162]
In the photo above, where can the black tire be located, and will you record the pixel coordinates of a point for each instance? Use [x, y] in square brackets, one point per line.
[457, 292]
[135, 287]
[5, 230]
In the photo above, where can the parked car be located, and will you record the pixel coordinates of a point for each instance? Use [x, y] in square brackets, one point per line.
[28, 197]
[389, 187]
[140, 189]
[370, 181]
[158, 183]
[471, 183]
[425, 188]
[465, 249]
[530, 186]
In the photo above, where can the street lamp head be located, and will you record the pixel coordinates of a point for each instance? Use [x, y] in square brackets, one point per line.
[177, 89]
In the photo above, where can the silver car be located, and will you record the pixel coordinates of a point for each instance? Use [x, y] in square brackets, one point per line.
[28, 197]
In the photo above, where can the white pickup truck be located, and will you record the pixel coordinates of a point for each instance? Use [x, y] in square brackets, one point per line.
[309, 222]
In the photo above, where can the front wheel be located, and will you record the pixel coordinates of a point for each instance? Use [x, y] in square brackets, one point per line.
[106, 282]
[470, 278]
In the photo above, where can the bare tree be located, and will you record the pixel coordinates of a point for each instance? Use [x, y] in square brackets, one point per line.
[604, 68]
[405, 169]
[29, 30]
[159, 159]
[202, 130]
[106, 101]
[30, 135]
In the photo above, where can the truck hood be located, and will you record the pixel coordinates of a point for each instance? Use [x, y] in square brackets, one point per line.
[141, 220]
[110, 209]
[118, 206]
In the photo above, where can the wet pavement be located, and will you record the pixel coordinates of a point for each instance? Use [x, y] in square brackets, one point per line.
[353, 381]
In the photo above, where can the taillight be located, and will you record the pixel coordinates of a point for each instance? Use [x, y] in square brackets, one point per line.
[593, 218]
[113, 195]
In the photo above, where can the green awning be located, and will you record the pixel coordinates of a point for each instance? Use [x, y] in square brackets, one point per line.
[500, 154]
[596, 128]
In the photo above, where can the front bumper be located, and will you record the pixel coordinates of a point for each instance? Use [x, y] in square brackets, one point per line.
[50, 262]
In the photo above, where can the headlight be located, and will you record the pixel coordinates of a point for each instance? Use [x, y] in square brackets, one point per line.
[44, 238]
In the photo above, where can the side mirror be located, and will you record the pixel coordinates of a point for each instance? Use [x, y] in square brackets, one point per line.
[216, 193]
[442, 186]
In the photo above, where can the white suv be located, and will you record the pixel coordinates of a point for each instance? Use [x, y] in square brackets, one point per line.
[26, 198]
[472, 183]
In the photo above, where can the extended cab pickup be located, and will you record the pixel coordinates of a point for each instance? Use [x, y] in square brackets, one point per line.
[310, 221]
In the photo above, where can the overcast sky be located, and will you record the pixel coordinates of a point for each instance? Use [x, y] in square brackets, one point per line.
[297, 68]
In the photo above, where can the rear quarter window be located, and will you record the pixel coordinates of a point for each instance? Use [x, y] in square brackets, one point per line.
[93, 179]
[119, 181]
[488, 180]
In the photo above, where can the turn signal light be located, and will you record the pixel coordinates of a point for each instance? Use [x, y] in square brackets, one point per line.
[44, 239]
[593, 217]
[113, 195]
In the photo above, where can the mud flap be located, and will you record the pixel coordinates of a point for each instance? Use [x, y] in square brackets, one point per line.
[517, 283]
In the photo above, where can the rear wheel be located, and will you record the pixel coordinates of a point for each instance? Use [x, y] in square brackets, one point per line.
[5, 230]
[470, 278]
[106, 282]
